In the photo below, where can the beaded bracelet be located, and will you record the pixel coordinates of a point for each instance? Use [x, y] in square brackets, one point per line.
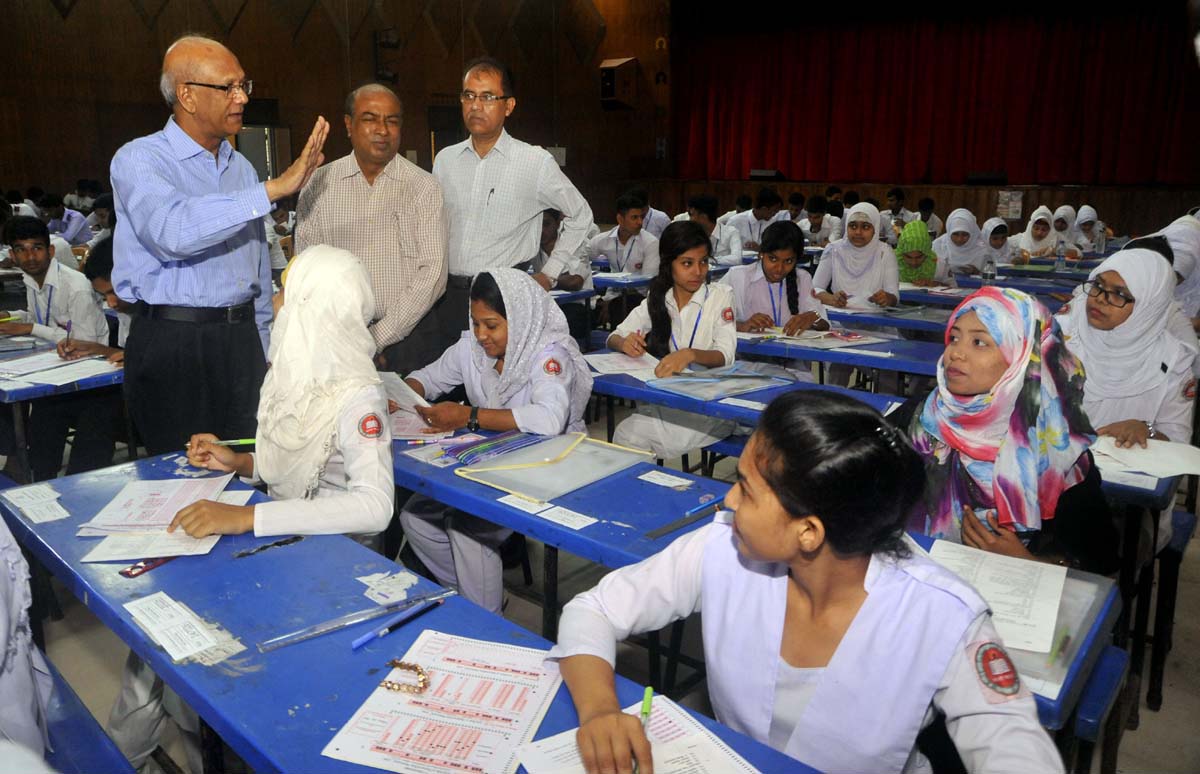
[422, 678]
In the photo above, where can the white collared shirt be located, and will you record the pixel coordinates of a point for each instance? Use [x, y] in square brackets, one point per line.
[655, 221]
[706, 321]
[494, 205]
[752, 294]
[66, 296]
[934, 226]
[726, 245]
[357, 487]
[830, 231]
[639, 254]
[751, 228]
[887, 218]
[542, 406]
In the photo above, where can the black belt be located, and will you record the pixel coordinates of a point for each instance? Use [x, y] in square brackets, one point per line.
[463, 281]
[202, 314]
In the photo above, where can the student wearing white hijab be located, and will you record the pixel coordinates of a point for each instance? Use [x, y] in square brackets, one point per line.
[961, 245]
[522, 371]
[1065, 233]
[1183, 236]
[1087, 227]
[1037, 240]
[1000, 249]
[324, 447]
[858, 270]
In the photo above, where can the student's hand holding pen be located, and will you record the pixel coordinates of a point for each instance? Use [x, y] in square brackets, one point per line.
[203, 453]
[634, 344]
[757, 322]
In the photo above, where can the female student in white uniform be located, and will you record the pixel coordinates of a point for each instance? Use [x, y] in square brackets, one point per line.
[324, 444]
[961, 245]
[1088, 227]
[522, 371]
[994, 235]
[1064, 231]
[684, 320]
[818, 622]
[1037, 240]
[858, 270]
[324, 447]
[773, 293]
[917, 262]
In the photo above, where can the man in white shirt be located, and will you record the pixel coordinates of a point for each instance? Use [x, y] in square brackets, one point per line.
[627, 248]
[576, 276]
[743, 203]
[495, 189]
[81, 198]
[768, 208]
[820, 228]
[102, 220]
[795, 207]
[895, 217]
[726, 241]
[656, 220]
[70, 224]
[933, 223]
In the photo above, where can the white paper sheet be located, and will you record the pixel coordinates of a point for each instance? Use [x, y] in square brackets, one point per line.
[678, 742]
[48, 510]
[523, 503]
[431, 455]
[665, 479]
[398, 390]
[1160, 458]
[79, 369]
[116, 548]
[384, 588]
[1023, 594]
[619, 363]
[149, 506]
[485, 699]
[174, 627]
[21, 496]
[21, 366]
[409, 426]
[755, 405]
[235, 497]
[567, 517]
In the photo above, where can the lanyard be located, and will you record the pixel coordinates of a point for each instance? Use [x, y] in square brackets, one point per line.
[617, 243]
[695, 326]
[775, 308]
[37, 313]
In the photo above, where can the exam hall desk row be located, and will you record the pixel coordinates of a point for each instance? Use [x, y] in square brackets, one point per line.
[278, 710]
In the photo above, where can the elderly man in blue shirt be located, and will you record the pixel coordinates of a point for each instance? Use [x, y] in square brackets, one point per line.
[191, 247]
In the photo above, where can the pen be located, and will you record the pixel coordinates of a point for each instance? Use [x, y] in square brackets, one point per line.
[702, 507]
[1064, 637]
[68, 331]
[647, 700]
[393, 623]
[237, 442]
[419, 441]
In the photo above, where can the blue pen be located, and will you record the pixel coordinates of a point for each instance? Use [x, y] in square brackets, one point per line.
[394, 622]
[702, 507]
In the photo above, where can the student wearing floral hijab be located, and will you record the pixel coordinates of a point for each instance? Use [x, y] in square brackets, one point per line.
[1005, 441]
[961, 245]
[916, 260]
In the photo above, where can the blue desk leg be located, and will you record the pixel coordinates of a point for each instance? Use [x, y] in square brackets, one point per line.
[550, 593]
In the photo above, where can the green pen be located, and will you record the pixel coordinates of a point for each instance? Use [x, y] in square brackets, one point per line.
[237, 442]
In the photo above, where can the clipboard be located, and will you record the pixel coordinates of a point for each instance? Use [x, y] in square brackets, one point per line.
[555, 466]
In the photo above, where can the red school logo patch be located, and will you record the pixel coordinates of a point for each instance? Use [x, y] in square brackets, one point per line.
[727, 315]
[370, 426]
[1189, 389]
[552, 367]
[996, 672]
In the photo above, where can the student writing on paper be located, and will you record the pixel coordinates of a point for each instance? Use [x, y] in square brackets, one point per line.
[522, 371]
[773, 293]
[961, 245]
[1139, 377]
[324, 443]
[1064, 231]
[683, 321]
[858, 270]
[750, 224]
[996, 243]
[725, 240]
[917, 262]
[1005, 441]
[820, 228]
[628, 248]
[1036, 241]
[98, 270]
[1089, 228]
[818, 622]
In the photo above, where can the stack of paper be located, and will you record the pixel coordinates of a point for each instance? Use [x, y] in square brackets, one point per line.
[150, 506]
[485, 699]
[20, 366]
[406, 423]
[72, 372]
[1023, 594]
[1161, 459]
[678, 743]
[38, 502]
[641, 368]
[171, 625]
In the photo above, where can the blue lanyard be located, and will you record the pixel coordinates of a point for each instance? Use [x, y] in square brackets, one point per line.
[695, 327]
[617, 243]
[775, 309]
[37, 313]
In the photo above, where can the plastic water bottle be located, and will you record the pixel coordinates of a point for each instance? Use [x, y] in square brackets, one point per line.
[1098, 243]
[988, 275]
[1060, 256]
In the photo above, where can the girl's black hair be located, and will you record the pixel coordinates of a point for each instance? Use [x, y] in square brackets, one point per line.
[831, 456]
[485, 289]
[1158, 244]
[676, 239]
[785, 235]
[1003, 227]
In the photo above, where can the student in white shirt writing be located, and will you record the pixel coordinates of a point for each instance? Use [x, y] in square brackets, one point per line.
[818, 621]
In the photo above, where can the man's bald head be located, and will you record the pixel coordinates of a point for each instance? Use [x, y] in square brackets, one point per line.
[371, 88]
[187, 59]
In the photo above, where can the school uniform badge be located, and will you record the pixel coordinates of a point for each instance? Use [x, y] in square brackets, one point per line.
[552, 367]
[1189, 389]
[727, 315]
[997, 673]
[370, 426]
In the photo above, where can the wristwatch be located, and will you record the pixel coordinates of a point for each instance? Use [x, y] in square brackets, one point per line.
[1150, 429]
[473, 422]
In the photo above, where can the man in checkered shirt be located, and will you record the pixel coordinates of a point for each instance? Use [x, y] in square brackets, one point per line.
[496, 188]
[388, 212]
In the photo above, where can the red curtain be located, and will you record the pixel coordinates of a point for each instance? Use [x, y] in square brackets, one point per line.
[1101, 101]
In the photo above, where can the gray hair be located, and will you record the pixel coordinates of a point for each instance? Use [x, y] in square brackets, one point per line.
[166, 87]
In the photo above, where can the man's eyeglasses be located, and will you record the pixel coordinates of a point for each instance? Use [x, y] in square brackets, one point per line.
[1112, 297]
[245, 87]
[487, 99]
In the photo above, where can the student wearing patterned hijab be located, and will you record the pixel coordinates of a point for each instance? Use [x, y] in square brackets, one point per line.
[522, 371]
[1005, 440]
[916, 260]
